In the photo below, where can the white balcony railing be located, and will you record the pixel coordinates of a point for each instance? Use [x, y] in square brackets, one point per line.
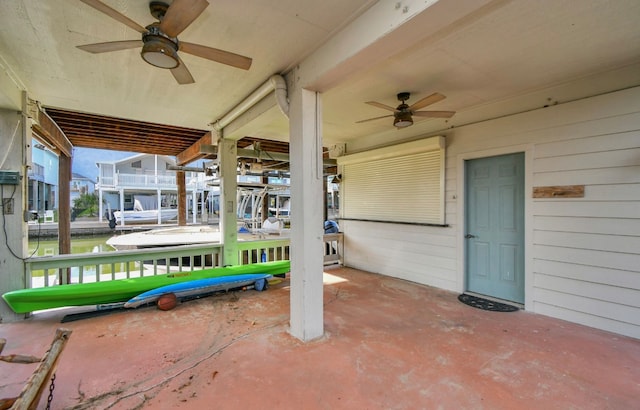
[150, 181]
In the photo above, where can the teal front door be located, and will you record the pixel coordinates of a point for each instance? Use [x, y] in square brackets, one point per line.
[494, 237]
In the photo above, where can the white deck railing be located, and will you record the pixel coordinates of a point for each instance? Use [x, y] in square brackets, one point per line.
[149, 181]
[54, 270]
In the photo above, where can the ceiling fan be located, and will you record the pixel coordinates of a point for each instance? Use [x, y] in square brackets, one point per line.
[403, 113]
[159, 41]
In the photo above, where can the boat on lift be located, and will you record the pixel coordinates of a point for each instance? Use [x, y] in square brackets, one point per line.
[145, 211]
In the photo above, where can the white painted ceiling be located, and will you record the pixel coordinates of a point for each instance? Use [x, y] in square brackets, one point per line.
[503, 57]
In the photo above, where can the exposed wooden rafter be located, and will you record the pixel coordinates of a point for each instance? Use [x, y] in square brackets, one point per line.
[119, 134]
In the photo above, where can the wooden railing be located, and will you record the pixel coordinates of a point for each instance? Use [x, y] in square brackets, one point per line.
[91, 267]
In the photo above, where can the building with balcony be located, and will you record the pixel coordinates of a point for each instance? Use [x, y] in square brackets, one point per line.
[146, 182]
[43, 179]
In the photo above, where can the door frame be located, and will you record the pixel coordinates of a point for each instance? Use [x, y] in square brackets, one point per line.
[527, 149]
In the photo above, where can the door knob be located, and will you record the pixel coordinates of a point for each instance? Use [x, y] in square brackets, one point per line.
[469, 236]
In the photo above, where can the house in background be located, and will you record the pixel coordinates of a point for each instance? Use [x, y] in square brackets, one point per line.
[147, 181]
[43, 179]
[81, 185]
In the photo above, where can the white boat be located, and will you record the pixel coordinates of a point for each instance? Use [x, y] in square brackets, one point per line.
[145, 216]
[145, 210]
[189, 235]
[174, 236]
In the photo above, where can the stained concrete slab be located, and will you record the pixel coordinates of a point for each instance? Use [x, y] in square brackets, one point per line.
[388, 344]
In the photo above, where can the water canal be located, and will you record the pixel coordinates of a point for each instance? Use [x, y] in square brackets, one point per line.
[87, 244]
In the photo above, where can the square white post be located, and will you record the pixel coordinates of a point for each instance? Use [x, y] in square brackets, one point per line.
[305, 118]
[228, 154]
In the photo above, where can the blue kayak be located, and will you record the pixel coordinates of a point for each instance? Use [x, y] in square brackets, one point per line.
[200, 287]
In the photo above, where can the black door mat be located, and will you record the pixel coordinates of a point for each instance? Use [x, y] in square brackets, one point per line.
[486, 304]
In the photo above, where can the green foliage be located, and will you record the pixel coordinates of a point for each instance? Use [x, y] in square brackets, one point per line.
[86, 204]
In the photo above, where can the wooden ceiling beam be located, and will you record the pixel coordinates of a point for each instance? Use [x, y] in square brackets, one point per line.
[194, 152]
[47, 129]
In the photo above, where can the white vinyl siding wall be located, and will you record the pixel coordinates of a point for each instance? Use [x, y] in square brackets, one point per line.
[582, 254]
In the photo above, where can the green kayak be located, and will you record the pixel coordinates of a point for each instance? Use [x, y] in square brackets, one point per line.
[121, 290]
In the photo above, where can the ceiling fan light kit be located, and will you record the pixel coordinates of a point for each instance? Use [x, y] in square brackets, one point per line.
[403, 120]
[159, 51]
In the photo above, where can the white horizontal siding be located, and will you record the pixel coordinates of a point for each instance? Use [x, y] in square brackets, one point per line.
[583, 254]
[623, 298]
[615, 192]
[597, 143]
[600, 322]
[596, 225]
[590, 161]
[427, 253]
[585, 208]
[592, 274]
[588, 257]
[586, 251]
[599, 308]
[590, 241]
[612, 175]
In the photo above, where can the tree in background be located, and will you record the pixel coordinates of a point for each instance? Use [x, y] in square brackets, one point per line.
[85, 204]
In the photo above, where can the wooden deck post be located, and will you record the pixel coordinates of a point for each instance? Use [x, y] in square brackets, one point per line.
[64, 211]
[182, 198]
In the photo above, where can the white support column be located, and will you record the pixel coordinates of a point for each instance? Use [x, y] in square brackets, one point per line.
[122, 206]
[100, 206]
[155, 170]
[158, 196]
[194, 205]
[305, 117]
[228, 154]
[15, 133]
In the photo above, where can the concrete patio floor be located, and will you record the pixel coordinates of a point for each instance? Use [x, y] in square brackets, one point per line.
[388, 344]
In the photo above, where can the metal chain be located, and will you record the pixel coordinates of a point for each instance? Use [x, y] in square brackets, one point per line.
[51, 387]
